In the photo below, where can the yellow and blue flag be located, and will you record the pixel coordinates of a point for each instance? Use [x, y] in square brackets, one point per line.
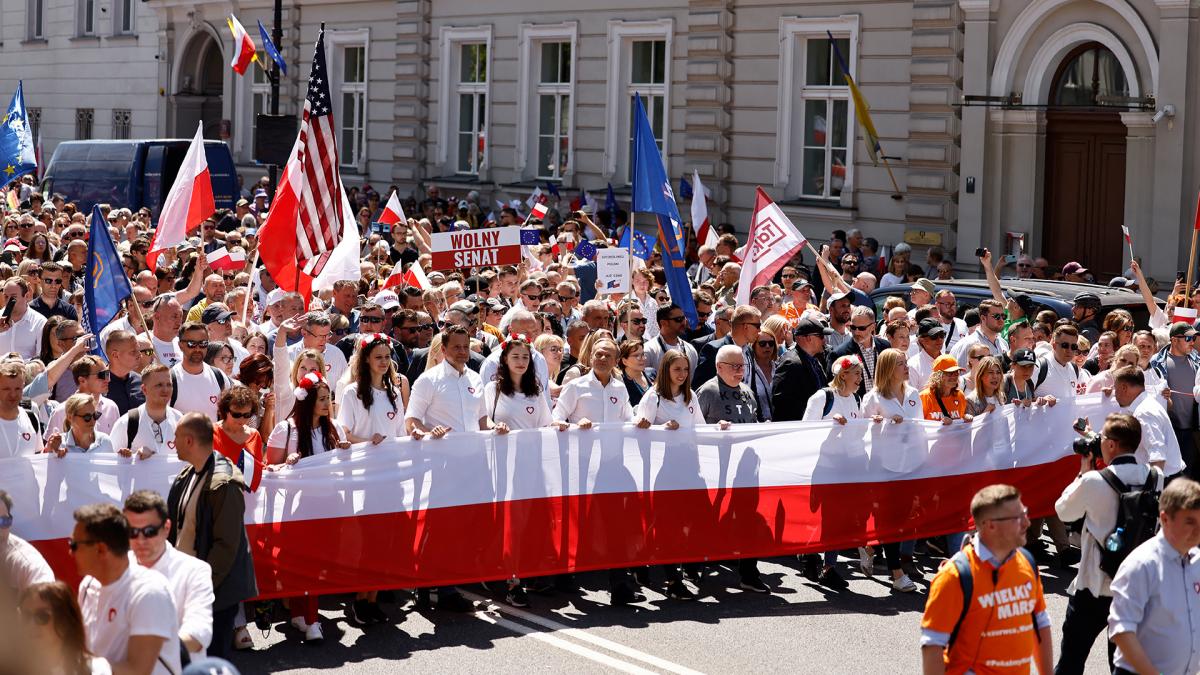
[105, 284]
[272, 50]
[17, 153]
[861, 110]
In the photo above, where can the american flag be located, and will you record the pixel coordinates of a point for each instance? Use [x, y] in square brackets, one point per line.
[319, 225]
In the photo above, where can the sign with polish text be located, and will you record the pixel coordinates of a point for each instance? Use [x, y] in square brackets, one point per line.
[476, 248]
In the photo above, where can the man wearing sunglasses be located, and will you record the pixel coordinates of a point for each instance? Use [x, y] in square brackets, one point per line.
[21, 565]
[21, 330]
[91, 377]
[150, 427]
[671, 326]
[864, 344]
[1057, 376]
[316, 331]
[991, 322]
[189, 579]
[50, 302]
[197, 384]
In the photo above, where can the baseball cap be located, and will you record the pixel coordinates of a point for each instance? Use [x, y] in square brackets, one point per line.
[387, 300]
[260, 193]
[811, 327]
[924, 285]
[1121, 282]
[1026, 304]
[243, 202]
[1182, 328]
[834, 297]
[947, 364]
[464, 306]
[1087, 299]
[15, 241]
[844, 362]
[1024, 357]
[215, 314]
[1073, 268]
[495, 305]
[800, 283]
[930, 328]
[275, 296]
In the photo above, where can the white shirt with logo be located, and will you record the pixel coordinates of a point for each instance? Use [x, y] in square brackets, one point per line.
[659, 410]
[167, 352]
[156, 436]
[585, 398]
[18, 438]
[517, 411]
[197, 393]
[383, 418]
[443, 396]
[138, 603]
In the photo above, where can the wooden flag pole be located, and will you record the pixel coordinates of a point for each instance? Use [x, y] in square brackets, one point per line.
[249, 286]
[137, 309]
[1191, 265]
[897, 195]
[632, 231]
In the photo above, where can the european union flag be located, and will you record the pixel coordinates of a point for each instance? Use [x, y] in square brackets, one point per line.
[17, 155]
[585, 250]
[610, 202]
[531, 236]
[652, 194]
[685, 188]
[271, 50]
[552, 188]
[105, 284]
[642, 246]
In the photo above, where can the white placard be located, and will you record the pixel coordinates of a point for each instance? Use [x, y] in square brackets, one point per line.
[612, 270]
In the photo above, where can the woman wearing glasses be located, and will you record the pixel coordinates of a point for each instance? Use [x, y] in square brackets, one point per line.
[79, 429]
[637, 377]
[760, 368]
[258, 373]
[234, 436]
[220, 356]
[53, 631]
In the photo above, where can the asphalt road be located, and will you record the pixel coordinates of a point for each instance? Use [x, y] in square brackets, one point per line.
[800, 628]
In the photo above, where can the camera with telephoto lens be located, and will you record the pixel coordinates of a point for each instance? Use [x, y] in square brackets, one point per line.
[1088, 445]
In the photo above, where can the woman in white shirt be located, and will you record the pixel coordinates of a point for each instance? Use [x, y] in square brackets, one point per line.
[308, 430]
[54, 634]
[642, 281]
[373, 403]
[847, 375]
[671, 401]
[79, 432]
[894, 399]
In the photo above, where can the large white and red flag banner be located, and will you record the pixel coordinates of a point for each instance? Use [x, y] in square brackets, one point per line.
[477, 506]
[772, 242]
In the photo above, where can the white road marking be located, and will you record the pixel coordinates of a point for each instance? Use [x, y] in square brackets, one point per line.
[578, 650]
[584, 636]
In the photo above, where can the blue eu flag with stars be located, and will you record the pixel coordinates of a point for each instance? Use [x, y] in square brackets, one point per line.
[641, 243]
[105, 284]
[17, 156]
[269, 46]
[652, 194]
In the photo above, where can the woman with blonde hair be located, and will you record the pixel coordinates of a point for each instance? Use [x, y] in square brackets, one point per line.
[435, 353]
[79, 432]
[307, 361]
[988, 394]
[778, 326]
[1125, 356]
[839, 401]
[551, 348]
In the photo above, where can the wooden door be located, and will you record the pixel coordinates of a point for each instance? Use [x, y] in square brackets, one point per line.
[1084, 197]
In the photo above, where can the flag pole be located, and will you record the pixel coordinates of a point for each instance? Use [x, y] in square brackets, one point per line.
[1192, 256]
[249, 287]
[632, 231]
[137, 309]
[897, 195]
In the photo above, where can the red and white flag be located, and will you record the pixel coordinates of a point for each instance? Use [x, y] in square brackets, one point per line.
[1125, 229]
[393, 213]
[225, 259]
[243, 47]
[304, 224]
[539, 211]
[188, 204]
[1185, 314]
[415, 277]
[772, 242]
[535, 198]
[700, 223]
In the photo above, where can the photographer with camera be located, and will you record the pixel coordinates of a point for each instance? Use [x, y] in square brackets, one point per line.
[1107, 502]
[1159, 446]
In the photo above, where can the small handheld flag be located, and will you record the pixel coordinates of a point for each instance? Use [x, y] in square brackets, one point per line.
[586, 250]
[393, 213]
[539, 211]
[610, 202]
[272, 51]
[685, 188]
[531, 236]
[552, 188]
[1128, 240]
[641, 244]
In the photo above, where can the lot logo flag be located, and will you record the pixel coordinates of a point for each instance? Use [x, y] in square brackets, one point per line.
[17, 154]
[652, 194]
[105, 284]
[772, 242]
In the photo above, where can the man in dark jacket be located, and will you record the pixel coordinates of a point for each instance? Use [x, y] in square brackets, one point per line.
[208, 502]
[862, 343]
[800, 373]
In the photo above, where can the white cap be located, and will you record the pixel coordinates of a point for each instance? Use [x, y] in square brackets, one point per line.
[387, 300]
[275, 296]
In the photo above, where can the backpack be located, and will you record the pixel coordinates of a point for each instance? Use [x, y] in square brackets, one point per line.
[131, 428]
[221, 383]
[829, 400]
[1137, 517]
[967, 582]
[1042, 365]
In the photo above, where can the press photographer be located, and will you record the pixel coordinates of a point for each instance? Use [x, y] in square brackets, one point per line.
[1119, 509]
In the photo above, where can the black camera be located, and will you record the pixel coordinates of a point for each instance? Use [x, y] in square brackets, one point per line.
[1088, 445]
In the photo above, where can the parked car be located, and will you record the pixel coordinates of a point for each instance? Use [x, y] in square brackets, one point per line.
[1056, 296]
[133, 174]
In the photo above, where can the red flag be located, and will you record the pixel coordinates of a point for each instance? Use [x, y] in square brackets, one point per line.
[392, 213]
[415, 277]
[188, 203]
[224, 259]
[1197, 225]
[772, 242]
[243, 47]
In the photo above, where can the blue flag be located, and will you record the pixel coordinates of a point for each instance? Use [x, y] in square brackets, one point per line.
[642, 246]
[271, 50]
[17, 156]
[552, 188]
[585, 250]
[531, 236]
[105, 284]
[685, 188]
[652, 194]
[610, 203]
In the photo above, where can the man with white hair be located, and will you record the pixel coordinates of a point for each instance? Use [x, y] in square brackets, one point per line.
[702, 270]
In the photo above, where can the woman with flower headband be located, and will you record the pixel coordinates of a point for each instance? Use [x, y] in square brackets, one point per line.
[373, 403]
[308, 429]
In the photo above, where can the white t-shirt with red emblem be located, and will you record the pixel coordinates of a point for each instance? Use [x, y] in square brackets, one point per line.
[156, 436]
[18, 438]
[383, 418]
[659, 410]
[138, 603]
[517, 411]
[909, 407]
[197, 393]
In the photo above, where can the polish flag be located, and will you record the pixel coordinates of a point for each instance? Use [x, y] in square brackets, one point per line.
[188, 204]
[756, 490]
[700, 223]
[243, 47]
[539, 211]
[225, 259]
[772, 242]
[1185, 314]
[415, 277]
[393, 213]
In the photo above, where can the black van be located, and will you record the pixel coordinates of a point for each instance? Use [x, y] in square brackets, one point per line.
[133, 174]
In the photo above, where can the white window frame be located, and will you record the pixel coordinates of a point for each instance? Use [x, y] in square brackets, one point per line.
[34, 29]
[122, 10]
[83, 28]
[450, 38]
[335, 42]
[794, 31]
[621, 35]
[528, 83]
[257, 89]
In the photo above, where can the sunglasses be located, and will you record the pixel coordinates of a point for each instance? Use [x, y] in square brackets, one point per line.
[74, 545]
[565, 298]
[426, 326]
[147, 352]
[1187, 338]
[1068, 346]
[766, 343]
[638, 322]
[102, 375]
[149, 531]
[147, 304]
[241, 415]
[196, 344]
[41, 617]
[370, 319]
[703, 315]
[52, 282]
[860, 328]
[735, 366]
[6, 522]
[89, 417]
[676, 319]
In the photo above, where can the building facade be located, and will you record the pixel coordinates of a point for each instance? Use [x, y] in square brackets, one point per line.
[1045, 124]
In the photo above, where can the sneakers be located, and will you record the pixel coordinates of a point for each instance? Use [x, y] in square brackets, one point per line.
[866, 560]
[375, 613]
[263, 612]
[812, 567]
[299, 623]
[455, 602]
[242, 640]
[516, 596]
[624, 594]
[358, 613]
[909, 567]
[313, 634]
[641, 576]
[830, 577]
[903, 584]
[677, 590]
[754, 585]
[423, 602]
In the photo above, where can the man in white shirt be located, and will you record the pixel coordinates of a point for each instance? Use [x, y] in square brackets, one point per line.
[18, 437]
[197, 384]
[316, 331]
[991, 322]
[21, 331]
[930, 337]
[150, 427]
[168, 317]
[190, 579]
[21, 566]
[128, 612]
[1057, 377]
[1159, 447]
[956, 329]
[1092, 499]
[672, 325]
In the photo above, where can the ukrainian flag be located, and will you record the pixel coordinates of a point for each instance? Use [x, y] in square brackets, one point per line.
[861, 110]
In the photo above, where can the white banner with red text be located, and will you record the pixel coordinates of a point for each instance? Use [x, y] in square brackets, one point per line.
[479, 506]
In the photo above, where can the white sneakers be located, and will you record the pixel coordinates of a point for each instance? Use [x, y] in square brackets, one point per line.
[866, 560]
[903, 584]
[314, 633]
[300, 624]
[242, 640]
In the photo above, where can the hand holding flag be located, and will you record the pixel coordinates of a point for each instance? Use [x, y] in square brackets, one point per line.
[1128, 240]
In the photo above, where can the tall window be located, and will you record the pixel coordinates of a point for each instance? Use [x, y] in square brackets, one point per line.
[260, 97]
[825, 112]
[83, 123]
[472, 107]
[35, 123]
[123, 21]
[37, 11]
[647, 77]
[122, 123]
[87, 17]
[554, 110]
[354, 105]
